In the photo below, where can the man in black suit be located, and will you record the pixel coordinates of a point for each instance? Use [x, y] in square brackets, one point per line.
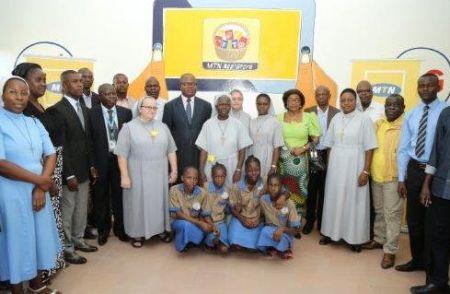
[90, 98]
[316, 184]
[185, 117]
[77, 165]
[106, 121]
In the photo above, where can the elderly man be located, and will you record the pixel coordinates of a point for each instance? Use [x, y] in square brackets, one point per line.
[316, 185]
[387, 203]
[185, 117]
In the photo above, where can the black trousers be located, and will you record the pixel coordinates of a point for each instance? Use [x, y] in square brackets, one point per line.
[316, 192]
[438, 226]
[415, 211]
[107, 195]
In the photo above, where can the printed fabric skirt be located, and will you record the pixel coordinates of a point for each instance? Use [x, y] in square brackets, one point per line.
[57, 178]
[209, 240]
[186, 233]
[266, 240]
[242, 236]
[294, 174]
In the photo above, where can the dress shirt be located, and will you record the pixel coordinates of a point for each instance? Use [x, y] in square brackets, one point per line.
[72, 102]
[184, 99]
[410, 130]
[375, 111]
[384, 162]
[126, 102]
[323, 120]
[439, 163]
[88, 100]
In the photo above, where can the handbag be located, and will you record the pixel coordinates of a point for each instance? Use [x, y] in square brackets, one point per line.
[316, 163]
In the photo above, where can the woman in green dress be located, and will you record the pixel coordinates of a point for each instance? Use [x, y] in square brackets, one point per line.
[299, 128]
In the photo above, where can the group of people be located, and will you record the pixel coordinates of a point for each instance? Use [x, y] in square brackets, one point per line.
[210, 174]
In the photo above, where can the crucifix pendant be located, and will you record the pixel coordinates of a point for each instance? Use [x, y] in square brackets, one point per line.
[222, 139]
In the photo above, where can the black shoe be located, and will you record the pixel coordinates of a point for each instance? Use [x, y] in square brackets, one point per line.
[86, 248]
[410, 266]
[102, 239]
[430, 288]
[355, 248]
[308, 228]
[89, 233]
[325, 240]
[73, 258]
[123, 237]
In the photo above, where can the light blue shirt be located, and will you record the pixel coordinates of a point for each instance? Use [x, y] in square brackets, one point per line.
[323, 118]
[410, 130]
[116, 121]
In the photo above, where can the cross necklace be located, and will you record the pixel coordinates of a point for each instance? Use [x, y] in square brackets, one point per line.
[26, 137]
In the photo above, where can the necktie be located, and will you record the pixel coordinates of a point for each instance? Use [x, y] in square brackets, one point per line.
[80, 114]
[420, 145]
[189, 110]
[112, 127]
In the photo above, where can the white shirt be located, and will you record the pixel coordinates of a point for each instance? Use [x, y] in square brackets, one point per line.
[73, 102]
[88, 100]
[184, 99]
[375, 111]
[323, 118]
[111, 143]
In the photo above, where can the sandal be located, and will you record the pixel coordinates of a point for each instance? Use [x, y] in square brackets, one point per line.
[44, 290]
[166, 237]
[287, 254]
[137, 243]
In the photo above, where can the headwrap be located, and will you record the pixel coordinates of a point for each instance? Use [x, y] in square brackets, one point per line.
[5, 80]
[216, 101]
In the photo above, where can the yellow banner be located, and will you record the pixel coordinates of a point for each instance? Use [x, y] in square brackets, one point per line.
[53, 67]
[232, 43]
[389, 76]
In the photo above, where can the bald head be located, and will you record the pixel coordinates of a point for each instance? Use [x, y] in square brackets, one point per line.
[188, 85]
[108, 96]
[152, 87]
[322, 95]
[364, 90]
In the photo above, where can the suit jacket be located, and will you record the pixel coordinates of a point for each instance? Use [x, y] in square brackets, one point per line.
[77, 155]
[95, 99]
[332, 111]
[100, 148]
[183, 133]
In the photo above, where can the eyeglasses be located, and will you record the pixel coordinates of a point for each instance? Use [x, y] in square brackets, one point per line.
[150, 107]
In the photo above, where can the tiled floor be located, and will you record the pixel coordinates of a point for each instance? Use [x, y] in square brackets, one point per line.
[158, 268]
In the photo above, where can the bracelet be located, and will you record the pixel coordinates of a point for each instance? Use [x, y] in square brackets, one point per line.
[366, 172]
[238, 170]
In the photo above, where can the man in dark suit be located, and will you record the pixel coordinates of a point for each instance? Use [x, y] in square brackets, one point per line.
[106, 121]
[90, 98]
[316, 184]
[185, 117]
[77, 165]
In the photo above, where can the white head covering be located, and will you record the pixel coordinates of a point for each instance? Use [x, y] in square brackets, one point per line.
[137, 106]
[5, 80]
[216, 101]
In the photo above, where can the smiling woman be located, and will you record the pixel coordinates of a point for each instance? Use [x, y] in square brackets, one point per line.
[29, 240]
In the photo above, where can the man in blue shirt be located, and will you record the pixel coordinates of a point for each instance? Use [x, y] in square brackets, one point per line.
[414, 151]
[437, 201]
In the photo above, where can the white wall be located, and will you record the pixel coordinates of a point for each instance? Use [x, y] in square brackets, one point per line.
[117, 34]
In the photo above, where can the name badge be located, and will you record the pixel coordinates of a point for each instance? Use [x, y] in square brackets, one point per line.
[224, 195]
[211, 158]
[196, 206]
[285, 210]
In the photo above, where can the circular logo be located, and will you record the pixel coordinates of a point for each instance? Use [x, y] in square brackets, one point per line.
[231, 41]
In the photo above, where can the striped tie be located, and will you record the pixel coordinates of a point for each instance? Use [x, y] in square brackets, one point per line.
[420, 145]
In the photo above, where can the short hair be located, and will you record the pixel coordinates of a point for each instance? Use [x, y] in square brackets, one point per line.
[349, 90]
[251, 159]
[292, 92]
[397, 96]
[263, 95]
[24, 69]
[218, 166]
[236, 91]
[117, 75]
[65, 74]
[186, 168]
[273, 176]
[430, 75]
